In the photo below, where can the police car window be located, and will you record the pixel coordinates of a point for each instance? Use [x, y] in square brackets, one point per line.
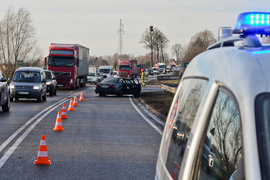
[221, 151]
[262, 109]
[190, 96]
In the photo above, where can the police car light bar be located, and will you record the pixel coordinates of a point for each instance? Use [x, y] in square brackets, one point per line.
[253, 23]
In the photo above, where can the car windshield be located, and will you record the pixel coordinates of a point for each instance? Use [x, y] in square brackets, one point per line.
[61, 62]
[111, 80]
[104, 71]
[262, 105]
[48, 75]
[26, 76]
[123, 67]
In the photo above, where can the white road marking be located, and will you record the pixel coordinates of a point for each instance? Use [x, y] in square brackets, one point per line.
[23, 136]
[145, 118]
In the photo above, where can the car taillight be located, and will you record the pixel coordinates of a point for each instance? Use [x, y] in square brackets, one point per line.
[113, 87]
[97, 86]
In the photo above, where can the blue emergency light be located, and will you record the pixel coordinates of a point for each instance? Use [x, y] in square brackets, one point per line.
[253, 23]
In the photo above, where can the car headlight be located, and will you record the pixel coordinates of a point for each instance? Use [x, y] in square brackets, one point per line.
[36, 87]
[48, 83]
[12, 86]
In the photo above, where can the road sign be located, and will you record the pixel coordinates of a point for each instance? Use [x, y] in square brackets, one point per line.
[156, 66]
[20, 63]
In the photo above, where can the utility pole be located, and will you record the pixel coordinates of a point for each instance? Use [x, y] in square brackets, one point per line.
[120, 44]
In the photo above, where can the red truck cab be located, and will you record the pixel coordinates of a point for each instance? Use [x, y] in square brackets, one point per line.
[127, 68]
[69, 62]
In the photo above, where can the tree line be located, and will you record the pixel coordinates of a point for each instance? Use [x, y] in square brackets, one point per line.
[18, 42]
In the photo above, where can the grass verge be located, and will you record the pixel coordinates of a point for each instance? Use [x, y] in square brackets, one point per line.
[159, 101]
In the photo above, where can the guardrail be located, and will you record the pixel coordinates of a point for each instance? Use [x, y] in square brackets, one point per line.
[172, 77]
[171, 88]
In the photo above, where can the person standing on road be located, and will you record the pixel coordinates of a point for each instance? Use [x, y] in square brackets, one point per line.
[143, 75]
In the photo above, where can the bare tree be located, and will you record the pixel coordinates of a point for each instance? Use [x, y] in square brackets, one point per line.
[177, 51]
[161, 42]
[198, 44]
[17, 41]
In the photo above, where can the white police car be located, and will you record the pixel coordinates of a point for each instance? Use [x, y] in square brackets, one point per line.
[218, 126]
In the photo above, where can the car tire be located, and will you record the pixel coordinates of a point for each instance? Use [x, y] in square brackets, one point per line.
[101, 94]
[11, 99]
[39, 98]
[44, 97]
[6, 106]
[120, 94]
[51, 92]
[136, 95]
[54, 91]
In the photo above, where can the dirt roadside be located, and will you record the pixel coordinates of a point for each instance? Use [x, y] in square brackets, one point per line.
[157, 102]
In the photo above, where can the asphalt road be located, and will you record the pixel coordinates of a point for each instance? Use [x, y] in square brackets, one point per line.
[104, 138]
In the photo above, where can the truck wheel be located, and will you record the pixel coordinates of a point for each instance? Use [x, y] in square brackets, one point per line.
[77, 84]
[11, 99]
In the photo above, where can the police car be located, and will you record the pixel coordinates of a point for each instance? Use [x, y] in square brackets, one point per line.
[218, 126]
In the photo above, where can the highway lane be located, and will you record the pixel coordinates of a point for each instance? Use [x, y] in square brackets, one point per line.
[104, 138]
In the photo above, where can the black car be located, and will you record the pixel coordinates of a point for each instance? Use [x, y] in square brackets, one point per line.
[4, 90]
[28, 82]
[51, 82]
[118, 86]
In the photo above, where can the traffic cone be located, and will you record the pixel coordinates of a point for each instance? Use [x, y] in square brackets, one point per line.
[42, 157]
[75, 103]
[71, 108]
[81, 97]
[58, 123]
[64, 112]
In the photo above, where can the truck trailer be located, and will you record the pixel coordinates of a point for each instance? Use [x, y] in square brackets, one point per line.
[127, 68]
[70, 63]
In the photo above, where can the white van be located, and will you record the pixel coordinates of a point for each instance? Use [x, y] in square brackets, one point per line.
[106, 71]
[218, 126]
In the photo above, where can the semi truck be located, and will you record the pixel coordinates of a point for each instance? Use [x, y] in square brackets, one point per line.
[70, 63]
[127, 68]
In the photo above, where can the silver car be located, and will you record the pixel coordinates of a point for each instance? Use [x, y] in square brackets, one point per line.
[28, 82]
[218, 124]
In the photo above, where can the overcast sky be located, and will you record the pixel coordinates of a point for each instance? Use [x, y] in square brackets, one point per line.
[95, 24]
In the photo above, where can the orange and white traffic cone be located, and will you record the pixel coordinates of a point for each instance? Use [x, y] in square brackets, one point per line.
[42, 157]
[75, 103]
[81, 97]
[71, 108]
[58, 124]
[64, 112]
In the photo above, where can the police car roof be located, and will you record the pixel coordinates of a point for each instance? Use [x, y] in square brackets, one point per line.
[244, 71]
